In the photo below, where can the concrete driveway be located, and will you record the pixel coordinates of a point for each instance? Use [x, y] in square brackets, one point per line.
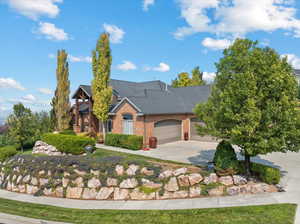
[199, 153]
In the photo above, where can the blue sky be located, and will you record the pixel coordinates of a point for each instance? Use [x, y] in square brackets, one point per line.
[150, 39]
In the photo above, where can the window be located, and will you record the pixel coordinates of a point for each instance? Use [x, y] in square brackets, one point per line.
[128, 124]
[109, 125]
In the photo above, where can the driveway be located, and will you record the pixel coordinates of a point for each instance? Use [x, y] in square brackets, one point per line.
[199, 153]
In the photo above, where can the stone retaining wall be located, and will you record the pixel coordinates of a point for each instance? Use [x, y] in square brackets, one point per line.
[126, 183]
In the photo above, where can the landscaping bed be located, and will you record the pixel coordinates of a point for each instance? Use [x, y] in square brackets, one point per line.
[115, 176]
[271, 214]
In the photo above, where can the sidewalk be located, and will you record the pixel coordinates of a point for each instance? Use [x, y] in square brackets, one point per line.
[13, 219]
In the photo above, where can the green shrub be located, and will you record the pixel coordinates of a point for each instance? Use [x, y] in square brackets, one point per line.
[225, 159]
[133, 142]
[70, 144]
[67, 132]
[267, 174]
[7, 152]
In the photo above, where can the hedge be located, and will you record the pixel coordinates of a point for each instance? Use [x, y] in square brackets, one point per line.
[133, 142]
[267, 174]
[70, 144]
[67, 132]
[7, 152]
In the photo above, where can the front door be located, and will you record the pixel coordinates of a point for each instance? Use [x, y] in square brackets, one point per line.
[127, 124]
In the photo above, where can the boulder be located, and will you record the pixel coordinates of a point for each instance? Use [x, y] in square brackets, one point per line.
[234, 190]
[239, 180]
[121, 194]
[89, 194]
[218, 191]
[212, 178]
[79, 182]
[132, 169]
[119, 170]
[172, 185]
[166, 174]
[111, 182]
[94, 183]
[43, 181]
[30, 189]
[43, 148]
[226, 180]
[79, 172]
[65, 181]
[104, 193]
[195, 178]
[74, 192]
[22, 188]
[152, 185]
[180, 171]
[19, 179]
[95, 172]
[195, 191]
[136, 194]
[129, 183]
[147, 171]
[172, 195]
[183, 181]
[49, 192]
[59, 192]
[34, 181]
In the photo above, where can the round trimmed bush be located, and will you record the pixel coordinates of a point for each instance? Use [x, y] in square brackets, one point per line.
[7, 152]
[225, 159]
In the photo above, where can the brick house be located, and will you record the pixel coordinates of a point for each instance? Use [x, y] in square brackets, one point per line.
[146, 109]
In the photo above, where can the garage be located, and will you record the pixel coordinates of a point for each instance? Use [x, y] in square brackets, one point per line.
[167, 131]
[194, 134]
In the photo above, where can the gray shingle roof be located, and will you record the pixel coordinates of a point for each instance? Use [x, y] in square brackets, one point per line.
[155, 97]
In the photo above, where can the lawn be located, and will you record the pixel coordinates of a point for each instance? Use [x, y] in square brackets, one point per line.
[271, 214]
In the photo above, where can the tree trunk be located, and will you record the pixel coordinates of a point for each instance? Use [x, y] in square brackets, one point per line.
[247, 164]
[103, 130]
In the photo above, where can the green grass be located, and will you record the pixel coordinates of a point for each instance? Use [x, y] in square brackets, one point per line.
[271, 214]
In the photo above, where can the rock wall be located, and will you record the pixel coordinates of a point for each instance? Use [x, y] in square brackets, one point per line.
[134, 182]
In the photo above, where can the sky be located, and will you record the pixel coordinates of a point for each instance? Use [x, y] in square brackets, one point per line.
[150, 39]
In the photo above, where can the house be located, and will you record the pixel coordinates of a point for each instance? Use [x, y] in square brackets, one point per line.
[146, 109]
[297, 74]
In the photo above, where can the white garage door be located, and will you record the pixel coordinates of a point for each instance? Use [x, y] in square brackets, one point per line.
[167, 131]
[194, 133]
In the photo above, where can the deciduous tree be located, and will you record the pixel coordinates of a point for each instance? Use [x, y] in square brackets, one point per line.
[253, 101]
[102, 92]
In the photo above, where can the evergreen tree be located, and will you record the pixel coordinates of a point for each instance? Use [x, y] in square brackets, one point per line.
[102, 92]
[62, 101]
[253, 102]
[53, 117]
[197, 77]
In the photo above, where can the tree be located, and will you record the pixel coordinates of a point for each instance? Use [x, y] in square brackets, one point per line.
[62, 101]
[102, 92]
[197, 77]
[253, 102]
[183, 80]
[20, 124]
[53, 117]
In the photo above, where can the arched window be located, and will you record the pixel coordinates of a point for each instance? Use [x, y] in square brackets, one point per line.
[128, 124]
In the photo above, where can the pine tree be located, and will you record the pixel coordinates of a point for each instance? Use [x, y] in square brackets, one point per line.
[62, 101]
[102, 92]
[253, 102]
[197, 77]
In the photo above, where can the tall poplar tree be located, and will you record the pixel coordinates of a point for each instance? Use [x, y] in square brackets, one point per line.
[102, 92]
[253, 102]
[61, 100]
[197, 77]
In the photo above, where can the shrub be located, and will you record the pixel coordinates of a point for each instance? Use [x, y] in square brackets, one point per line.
[67, 132]
[133, 142]
[7, 152]
[267, 174]
[225, 159]
[70, 144]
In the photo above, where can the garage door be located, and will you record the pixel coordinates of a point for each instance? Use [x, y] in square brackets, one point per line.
[194, 133]
[167, 131]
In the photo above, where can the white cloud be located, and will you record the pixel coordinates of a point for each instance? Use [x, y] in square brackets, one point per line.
[216, 44]
[51, 56]
[147, 4]
[293, 60]
[209, 77]
[80, 59]
[126, 66]
[237, 17]
[163, 67]
[45, 91]
[51, 32]
[35, 8]
[116, 33]
[29, 98]
[10, 83]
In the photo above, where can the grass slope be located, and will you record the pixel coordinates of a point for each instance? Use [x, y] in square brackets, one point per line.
[271, 214]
